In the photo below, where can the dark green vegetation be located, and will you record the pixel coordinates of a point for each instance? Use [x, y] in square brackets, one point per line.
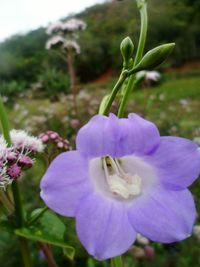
[24, 59]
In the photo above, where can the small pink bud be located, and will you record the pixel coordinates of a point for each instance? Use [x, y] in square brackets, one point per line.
[45, 138]
[11, 156]
[14, 171]
[137, 252]
[149, 252]
[25, 161]
[74, 123]
[54, 135]
[60, 145]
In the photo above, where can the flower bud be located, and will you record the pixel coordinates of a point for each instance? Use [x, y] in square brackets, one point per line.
[149, 252]
[155, 57]
[25, 161]
[126, 48]
[14, 171]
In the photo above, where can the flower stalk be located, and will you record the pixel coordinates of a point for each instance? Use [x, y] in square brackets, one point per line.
[116, 262]
[142, 5]
[114, 92]
[73, 85]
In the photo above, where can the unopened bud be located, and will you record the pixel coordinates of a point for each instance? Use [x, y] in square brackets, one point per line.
[149, 252]
[127, 48]
[25, 161]
[155, 57]
[14, 171]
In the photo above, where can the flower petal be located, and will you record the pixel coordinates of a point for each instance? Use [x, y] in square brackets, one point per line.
[163, 215]
[65, 183]
[103, 227]
[177, 161]
[116, 137]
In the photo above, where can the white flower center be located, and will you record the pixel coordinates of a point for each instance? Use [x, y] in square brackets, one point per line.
[122, 179]
[121, 183]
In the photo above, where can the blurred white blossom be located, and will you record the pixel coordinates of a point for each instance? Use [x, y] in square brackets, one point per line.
[196, 231]
[54, 27]
[70, 44]
[73, 25]
[55, 41]
[148, 75]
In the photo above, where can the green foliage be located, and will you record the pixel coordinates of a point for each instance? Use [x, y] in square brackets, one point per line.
[53, 82]
[24, 57]
[48, 229]
[12, 88]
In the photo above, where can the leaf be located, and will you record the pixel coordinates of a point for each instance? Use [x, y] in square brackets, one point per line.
[69, 253]
[7, 225]
[48, 229]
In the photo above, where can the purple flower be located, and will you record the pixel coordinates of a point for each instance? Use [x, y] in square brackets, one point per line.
[124, 179]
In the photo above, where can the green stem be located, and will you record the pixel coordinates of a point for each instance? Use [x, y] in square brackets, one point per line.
[114, 92]
[143, 33]
[26, 258]
[116, 262]
[15, 189]
[6, 202]
[4, 123]
[125, 97]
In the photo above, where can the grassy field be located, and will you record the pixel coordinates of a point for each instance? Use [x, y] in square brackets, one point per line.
[174, 106]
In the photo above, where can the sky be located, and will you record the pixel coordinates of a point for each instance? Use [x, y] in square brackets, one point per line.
[20, 16]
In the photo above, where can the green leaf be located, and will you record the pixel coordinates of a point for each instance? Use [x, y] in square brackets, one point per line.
[69, 252]
[7, 225]
[48, 229]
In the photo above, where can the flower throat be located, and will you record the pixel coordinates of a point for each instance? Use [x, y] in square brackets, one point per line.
[120, 183]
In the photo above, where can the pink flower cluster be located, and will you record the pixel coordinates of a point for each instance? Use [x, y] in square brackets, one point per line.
[19, 156]
[54, 137]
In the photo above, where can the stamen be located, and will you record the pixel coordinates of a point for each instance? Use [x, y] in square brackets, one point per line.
[120, 183]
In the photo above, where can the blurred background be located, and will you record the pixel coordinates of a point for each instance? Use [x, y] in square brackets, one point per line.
[43, 90]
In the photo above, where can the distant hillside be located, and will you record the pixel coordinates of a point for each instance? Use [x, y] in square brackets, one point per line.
[24, 57]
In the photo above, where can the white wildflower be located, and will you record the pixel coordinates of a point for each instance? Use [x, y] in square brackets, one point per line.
[70, 44]
[148, 75]
[5, 180]
[140, 74]
[184, 102]
[196, 231]
[73, 25]
[142, 240]
[23, 141]
[153, 76]
[54, 27]
[55, 40]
